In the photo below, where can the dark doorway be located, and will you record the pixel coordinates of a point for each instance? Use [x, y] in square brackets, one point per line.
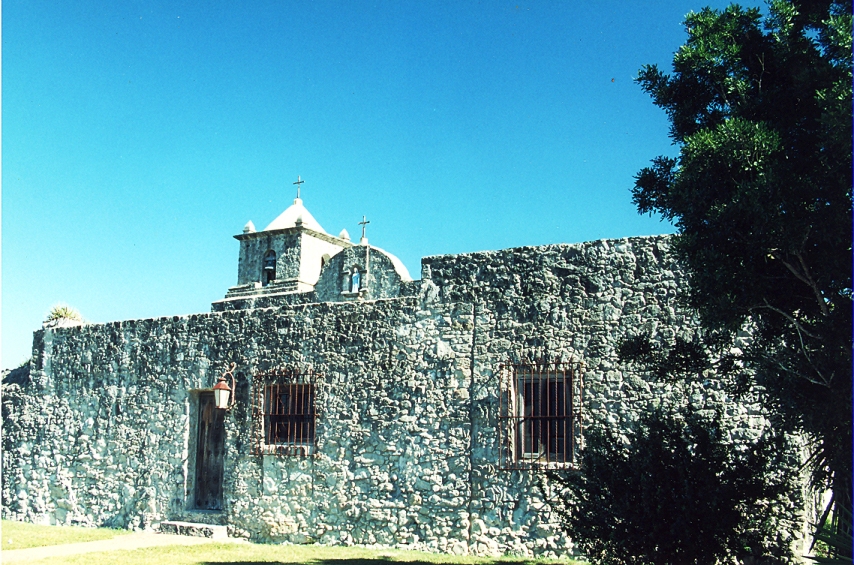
[210, 450]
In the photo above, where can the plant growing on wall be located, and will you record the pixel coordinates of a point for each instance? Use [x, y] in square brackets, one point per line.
[63, 312]
[676, 490]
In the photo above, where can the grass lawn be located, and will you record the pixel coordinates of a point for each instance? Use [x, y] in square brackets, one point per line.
[235, 554]
[21, 535]
[30, 535]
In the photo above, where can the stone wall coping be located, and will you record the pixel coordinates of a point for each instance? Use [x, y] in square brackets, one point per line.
[178, 317]
[298, 229]
[549, 246]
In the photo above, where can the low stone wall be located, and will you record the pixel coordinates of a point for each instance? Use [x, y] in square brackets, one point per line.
[407, 449]
[261, 300]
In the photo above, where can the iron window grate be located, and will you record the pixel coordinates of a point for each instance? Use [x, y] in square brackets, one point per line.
[540, 415]
[285, 413]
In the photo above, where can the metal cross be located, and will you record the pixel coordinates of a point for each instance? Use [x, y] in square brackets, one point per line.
[363, 223]
[298, 183]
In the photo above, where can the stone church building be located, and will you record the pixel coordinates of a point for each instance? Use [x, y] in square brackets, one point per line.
[364, 406]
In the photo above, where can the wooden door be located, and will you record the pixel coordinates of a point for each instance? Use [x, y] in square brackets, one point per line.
[210, 450]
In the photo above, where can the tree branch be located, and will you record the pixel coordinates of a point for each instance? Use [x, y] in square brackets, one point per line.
[801, 332]
[804, 278]
[821, 303]
[823, 382]
[791, 318]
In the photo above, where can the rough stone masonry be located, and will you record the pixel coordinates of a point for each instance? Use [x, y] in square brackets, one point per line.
[408, 438]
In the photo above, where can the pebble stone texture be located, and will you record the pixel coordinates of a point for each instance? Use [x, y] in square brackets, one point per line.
[381, 282]
[407, 449]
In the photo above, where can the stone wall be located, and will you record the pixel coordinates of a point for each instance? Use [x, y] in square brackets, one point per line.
[237, 300]
[255, 246]
[407, 448]
[299, 252]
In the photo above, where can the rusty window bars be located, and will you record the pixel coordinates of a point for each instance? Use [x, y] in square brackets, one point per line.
[284, 413]
[539, 415]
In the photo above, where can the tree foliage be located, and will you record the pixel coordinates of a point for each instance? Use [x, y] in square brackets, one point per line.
[677, 492]
[760, 110]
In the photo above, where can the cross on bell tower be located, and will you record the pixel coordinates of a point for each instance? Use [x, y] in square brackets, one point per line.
[298, 183]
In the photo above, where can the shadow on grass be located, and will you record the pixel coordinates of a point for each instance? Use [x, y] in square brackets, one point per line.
[375, 561]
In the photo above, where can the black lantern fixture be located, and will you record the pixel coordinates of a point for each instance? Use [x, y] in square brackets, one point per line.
[223, 396]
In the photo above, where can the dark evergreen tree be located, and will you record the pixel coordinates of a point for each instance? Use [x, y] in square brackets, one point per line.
[677, 492]
[760, 110]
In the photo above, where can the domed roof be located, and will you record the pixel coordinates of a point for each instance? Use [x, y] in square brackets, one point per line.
[398, 265]
[290, 217]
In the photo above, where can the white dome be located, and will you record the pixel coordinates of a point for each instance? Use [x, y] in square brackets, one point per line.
[290, 217]
[398, 265]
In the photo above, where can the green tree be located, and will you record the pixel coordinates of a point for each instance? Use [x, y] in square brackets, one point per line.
[677, 492]
[760, 110]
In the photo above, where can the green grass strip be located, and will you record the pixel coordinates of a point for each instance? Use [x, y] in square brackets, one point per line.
[21, 535]
[17, 535]
[249, 553]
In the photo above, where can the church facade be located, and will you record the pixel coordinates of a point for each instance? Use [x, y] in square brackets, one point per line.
[364, 406]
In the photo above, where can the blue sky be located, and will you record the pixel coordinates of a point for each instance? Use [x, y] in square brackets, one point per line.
[138, 137]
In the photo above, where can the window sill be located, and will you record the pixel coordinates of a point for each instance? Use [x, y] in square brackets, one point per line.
[353, 295]
[528, 465]
[289, 449]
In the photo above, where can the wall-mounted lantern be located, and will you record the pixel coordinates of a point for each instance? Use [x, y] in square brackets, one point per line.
[222, 392]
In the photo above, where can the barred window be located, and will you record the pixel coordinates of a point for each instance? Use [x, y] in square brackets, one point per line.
[540, 414]
[285, 413]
